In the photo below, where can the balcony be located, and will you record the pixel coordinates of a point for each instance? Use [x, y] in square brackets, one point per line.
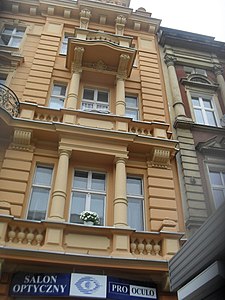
[98, 51]
[9, 101]
[78, 239]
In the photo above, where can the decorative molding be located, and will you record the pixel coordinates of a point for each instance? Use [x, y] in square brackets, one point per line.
[77, 62]
[213, 147]
[123, 64]
[169, 60]
[218, 70]
[85, 15]
[51, 10]
[120, 24]
[160, 158]
[22, 140]
[99, 66]
[198, 80]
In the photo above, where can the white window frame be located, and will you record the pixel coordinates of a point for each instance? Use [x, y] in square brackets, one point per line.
[94, 105]
[13, 35]
[64, 43]
[216, 168]
[139, 198]
[87, 192]
[59, 97]
[41, 186]
[132, 108]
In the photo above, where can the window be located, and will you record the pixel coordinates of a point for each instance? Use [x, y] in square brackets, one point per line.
[64, 44]
[40, 193]
[132, 107]
[217, 181]
[94, 99]
[88, 193]
[12, 36]
[58, 96]
[190, 70]
[135, 200]
[204, 111]
[3, 78]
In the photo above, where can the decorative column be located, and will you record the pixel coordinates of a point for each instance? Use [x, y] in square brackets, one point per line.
[177, 99]
[120, 201]
[120, 84]
[59, 193]
[220, 79]
[75, 80]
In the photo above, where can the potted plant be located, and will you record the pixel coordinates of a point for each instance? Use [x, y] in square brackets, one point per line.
[90, 217]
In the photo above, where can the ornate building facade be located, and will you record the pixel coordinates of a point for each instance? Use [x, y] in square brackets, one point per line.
[194, 67]
[85, 126]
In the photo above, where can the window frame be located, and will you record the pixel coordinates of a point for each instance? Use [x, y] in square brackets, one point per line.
[46, 187]
[136, 109]
[196, 92]
[136, 196]
[87, 192]
[94, 101]
[64, 42]
[217, 167]
[62, 84]
[13, 35]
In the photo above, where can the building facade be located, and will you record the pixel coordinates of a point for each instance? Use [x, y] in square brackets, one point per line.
[194, 68]
[85, 126]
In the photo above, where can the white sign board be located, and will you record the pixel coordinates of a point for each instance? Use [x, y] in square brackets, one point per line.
[86, 285]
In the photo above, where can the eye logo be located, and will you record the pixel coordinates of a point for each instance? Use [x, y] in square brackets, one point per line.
[87, 285]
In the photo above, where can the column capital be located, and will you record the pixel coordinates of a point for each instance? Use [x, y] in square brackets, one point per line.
[218, 70]
[77, 62]
[66, 152]
[119, 159]
[122, 68]
[169, 60]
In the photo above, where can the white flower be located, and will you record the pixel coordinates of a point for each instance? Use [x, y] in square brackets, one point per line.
[90, 216]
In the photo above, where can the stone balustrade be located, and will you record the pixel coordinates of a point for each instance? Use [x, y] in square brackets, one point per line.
[146, 246]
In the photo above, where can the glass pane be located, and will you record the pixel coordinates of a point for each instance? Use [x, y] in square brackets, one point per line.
[8, 30]
[63, 49]
[43, 176]
[77, 206]
[134, 186]
[207, 103]
[88, 94]
[223, 178]
[56, 103]
[20, 31]
[59, 90]
[97, 205]
[3, 78]
[195, 102]
[219, 197]
[135, 214]
[215, 178]
[4, 39]
[80, 179]
[132, 114]
[98, 182]
[38, 204]
[102, 97]
[199, 116]
[211, 118]
[131, 101]
[15, 42]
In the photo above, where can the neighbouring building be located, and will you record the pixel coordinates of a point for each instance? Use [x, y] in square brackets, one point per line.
[85, 125]
[194, 68]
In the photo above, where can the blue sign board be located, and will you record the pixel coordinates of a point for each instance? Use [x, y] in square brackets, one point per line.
[123, 290]
[40, 284]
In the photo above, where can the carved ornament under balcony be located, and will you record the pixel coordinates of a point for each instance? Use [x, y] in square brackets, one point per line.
[160, 158]
[123, 66]
[99, 66]
[77, 63]
[9, 101]
[120, 24]
[22, 140]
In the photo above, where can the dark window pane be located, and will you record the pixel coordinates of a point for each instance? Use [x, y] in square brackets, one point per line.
[38, 204]
[98, 182]
[43, 176]
[135, 214]
[88, 94]
[134, 186]
[211, 118]
[97, 205]
[80, 179]
[102, 97]
[77, 206]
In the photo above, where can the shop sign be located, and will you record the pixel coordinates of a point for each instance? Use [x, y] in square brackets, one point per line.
[42, 284]
[85, 285]
[122, 289]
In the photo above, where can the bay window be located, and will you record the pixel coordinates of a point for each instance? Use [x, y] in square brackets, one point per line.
[40, 193]
[88, 193]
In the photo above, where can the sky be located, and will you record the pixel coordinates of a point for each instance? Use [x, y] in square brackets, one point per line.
[198, 16]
